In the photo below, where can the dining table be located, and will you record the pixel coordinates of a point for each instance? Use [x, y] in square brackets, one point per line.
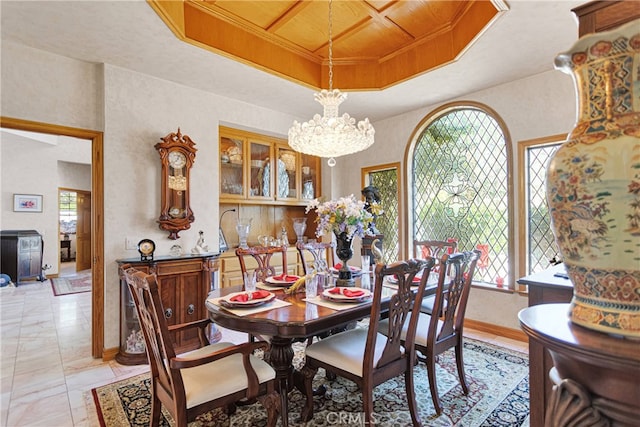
[289, 317]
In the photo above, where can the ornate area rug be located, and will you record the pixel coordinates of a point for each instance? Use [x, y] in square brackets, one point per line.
[72, 284]
[498, 396]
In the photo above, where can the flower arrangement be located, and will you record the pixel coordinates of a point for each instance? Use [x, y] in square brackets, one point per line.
[345, 215]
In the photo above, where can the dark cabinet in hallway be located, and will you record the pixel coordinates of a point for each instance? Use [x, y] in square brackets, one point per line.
[21, 255]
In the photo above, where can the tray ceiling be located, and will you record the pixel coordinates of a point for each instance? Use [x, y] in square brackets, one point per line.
[376, 44]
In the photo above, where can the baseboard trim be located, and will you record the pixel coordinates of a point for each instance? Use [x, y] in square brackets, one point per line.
[490, 328]
[110, 353]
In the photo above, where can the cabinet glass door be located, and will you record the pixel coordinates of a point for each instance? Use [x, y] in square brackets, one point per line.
[232, 183]
[260, 166]
[309, 173]
[286, 173]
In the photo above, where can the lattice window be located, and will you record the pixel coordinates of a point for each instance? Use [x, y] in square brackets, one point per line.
[68, 211]
[459, 186]
[388, 224]
[540, 242]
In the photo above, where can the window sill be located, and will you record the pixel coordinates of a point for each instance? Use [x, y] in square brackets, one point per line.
[494, 288]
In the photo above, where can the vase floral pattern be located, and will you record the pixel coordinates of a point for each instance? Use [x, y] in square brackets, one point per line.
[593, 183]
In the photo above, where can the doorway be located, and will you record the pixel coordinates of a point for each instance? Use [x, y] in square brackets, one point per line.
[74, 208]
[96, 231]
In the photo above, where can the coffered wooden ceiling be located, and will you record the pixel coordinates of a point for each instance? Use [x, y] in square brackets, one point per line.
[376, 43]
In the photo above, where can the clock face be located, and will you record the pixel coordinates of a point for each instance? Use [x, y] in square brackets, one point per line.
[177, 160]
[146, 247]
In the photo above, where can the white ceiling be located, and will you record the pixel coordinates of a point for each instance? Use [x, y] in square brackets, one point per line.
[129, 34]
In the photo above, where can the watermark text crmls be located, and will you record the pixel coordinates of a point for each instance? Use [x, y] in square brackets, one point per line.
[358, 419]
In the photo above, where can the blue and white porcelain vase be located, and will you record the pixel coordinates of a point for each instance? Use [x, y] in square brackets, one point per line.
[593, 183]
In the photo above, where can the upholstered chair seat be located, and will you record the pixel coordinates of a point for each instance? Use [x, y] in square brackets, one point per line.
[346, 350]
[227, 374]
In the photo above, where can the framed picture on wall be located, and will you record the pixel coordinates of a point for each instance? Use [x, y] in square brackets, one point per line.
[27, 203]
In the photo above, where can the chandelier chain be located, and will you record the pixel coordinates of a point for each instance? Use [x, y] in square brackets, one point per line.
[331, 135]
[330, 46]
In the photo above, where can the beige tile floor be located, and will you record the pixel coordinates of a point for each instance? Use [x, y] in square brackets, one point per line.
[46, 368]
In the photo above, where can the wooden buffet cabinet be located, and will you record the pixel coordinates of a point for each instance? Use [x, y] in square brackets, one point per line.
[184, 284]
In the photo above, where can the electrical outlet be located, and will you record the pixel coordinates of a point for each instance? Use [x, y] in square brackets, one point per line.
[129, 244]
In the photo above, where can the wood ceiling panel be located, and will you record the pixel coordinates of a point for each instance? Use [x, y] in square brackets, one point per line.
[378, 42]
[310, 26]
[375, 40]
[421, 18]
[262, 14]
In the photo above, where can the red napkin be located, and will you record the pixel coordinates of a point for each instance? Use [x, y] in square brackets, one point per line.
[416, 279]
[244, 297]
[347, 292]
[286, 278]
[338, 266]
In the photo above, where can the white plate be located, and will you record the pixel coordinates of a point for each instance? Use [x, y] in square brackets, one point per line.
[226, 301]
[272, 281]
[343, 298]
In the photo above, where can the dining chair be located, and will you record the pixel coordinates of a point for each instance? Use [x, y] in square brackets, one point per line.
[435, 249]
[214, 376]
[366, 356]
[321, 256]
[262, 256]
[436, 334]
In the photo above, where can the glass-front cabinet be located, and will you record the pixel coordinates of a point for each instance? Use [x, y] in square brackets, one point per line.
[309, 176]
[287, 176]
[261, 169]
[260, 164]
[232, 180]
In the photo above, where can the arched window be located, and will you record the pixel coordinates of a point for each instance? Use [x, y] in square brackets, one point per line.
[458, 180]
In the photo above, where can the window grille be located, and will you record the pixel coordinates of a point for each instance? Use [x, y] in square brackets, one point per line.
[459, 174]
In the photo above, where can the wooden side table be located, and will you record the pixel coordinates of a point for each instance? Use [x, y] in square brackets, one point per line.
[544, 287]
[596, 376]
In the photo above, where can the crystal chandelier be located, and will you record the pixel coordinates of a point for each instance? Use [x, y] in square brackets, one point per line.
[331, 135]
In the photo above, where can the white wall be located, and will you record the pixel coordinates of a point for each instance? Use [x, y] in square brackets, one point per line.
[136, 110]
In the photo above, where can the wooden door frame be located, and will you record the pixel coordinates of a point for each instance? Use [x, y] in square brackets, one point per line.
[97, 211]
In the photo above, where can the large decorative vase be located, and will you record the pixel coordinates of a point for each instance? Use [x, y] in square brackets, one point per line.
[344, 250]
[593, 183]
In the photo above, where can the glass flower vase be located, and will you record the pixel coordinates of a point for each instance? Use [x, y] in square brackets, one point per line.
[344, 250]
[593, 183]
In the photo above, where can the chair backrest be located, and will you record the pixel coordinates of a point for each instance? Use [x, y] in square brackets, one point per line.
[322, 253]
[434, 248]
[454, 285]
[402, 302]
[144, 289]
[262, 255]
